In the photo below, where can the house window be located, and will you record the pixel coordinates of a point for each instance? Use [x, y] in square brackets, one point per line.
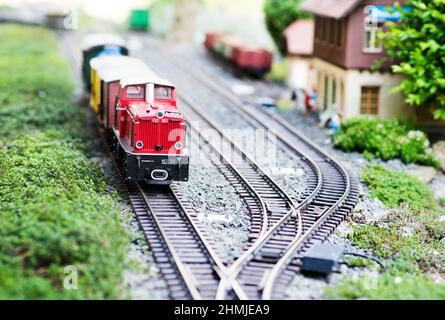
[325, 34]
[333, 31]
[371, 42]
[318, 28]
[334, 91]
[341, 33]
[370, 97]
[325, 93]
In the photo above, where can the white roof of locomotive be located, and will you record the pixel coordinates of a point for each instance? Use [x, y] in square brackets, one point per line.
[146, 79]
[102, 39]
[117, 73]
[110, 61]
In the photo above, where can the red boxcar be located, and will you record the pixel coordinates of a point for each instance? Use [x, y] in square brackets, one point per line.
[211, 38]
[252, 60]
[244, 56]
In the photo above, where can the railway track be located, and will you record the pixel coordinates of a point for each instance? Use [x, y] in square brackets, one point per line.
[278, 203]
[189, 265]
[281, 229]
[274, 259]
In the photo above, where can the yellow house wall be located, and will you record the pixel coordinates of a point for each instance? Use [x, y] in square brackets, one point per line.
[300, 73]
[349, 83]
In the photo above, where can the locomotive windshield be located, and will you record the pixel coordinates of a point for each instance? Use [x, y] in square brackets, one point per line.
[135, 92]
[163, 93]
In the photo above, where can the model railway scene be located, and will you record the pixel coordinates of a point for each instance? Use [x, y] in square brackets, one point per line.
[296, 155]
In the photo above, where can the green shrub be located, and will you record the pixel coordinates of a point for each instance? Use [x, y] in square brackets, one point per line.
[385, 139]
[54, 210]
[278, 73]
[279, 14]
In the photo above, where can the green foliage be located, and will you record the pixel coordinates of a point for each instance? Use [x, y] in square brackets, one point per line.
[278, 73]
[280, 14]
[395, 189]
[35, 84]
[418, 47]
[358, 262]
[4, 7]
[54, 210]
[389, 287]
[55, 213]
[407, 253]
[385, 139]
[409, 240]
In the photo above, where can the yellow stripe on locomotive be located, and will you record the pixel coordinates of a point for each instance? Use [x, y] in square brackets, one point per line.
[102, 63]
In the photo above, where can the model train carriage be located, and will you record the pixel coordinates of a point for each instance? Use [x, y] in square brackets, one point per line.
[211, 38]
[150, 131]
[252, 60]
[97, 45]
[242, 55]
[101, 64]
[109, 89]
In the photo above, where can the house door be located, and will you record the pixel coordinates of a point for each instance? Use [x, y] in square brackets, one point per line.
[325, 93]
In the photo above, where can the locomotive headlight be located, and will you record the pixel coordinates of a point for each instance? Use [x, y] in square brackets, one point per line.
[139, 144]
[160, 115]
[178, 145]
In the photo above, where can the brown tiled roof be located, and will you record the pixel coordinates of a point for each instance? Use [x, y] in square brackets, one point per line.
[300, 37]
[330, 8]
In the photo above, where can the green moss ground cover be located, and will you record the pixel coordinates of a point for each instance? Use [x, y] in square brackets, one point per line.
[54, 210]
[410, 239]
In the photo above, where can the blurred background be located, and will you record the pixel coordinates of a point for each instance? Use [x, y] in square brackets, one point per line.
[181, 20]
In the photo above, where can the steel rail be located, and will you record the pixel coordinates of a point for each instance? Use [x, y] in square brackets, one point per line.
[184, 272]
[296, 244]
[273, 275]
[264, 210]
[235, 268]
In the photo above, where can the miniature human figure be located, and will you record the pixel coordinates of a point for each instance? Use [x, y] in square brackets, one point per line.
[294, 96]
[335, 124]
[313, 100]
[307, 103]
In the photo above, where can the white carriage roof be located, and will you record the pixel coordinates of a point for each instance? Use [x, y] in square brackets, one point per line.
[107, 61]
[117, 73]
[101, 39]
[145, 79]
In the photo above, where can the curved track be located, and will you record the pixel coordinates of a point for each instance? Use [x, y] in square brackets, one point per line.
[271, 263]
[281, 229]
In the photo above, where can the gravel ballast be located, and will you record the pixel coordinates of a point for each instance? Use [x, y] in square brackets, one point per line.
[219, 207]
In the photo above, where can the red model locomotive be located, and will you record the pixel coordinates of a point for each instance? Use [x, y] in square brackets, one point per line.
[150, 131]
[139, 114]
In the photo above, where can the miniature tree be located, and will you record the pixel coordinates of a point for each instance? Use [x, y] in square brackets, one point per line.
[417, 45]
[280, 14]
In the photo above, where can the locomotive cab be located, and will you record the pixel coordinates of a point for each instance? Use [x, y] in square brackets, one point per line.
[151, 130]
